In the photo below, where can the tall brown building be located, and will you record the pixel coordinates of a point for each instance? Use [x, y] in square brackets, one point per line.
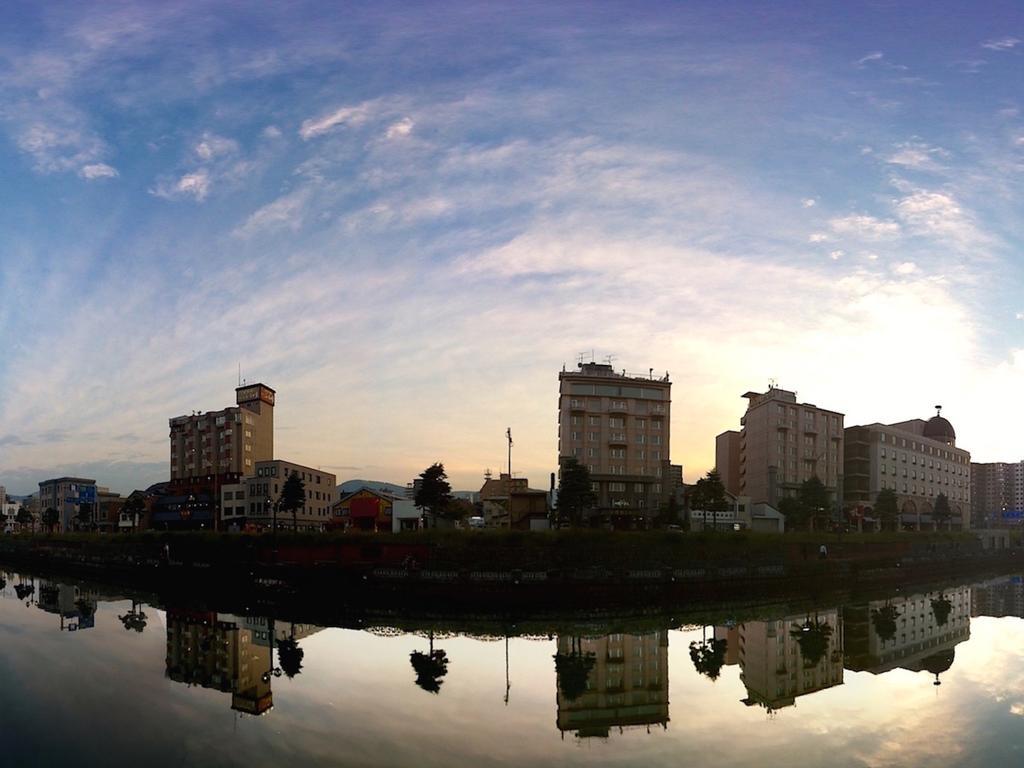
[229, 441]
[781, 444]
[617, 425]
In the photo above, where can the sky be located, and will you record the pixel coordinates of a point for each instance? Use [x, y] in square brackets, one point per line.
[407, 217]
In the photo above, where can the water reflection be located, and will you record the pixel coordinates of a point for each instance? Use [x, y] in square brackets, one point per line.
[610, 676]
[612, 681]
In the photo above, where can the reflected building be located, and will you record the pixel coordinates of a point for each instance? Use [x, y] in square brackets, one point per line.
[626, 683]
[915, 632]
[790, 657]
[215, 651]
[1001, 597]
[75, 607]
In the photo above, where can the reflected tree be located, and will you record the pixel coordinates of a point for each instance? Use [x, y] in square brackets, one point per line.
[941, 608]
[430, 667]
[289, 654]
[573, 669]
[135, 619]
[813, 637]
[708, 655]
[884, 621]
[23, 591]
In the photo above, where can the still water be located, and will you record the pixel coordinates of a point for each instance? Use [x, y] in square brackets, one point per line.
[928, 679]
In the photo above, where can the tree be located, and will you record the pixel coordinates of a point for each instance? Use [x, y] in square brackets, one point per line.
[941, 608]
[573, 669]
[84, 515]
[293, 497]
[942, 513]
[429, 667]
[434, 493]
[134, 507]
[289, 655]
[815, 500]
[576, 495]
[708, 655]
[794, 512]
[813, 638]
[24, 517]
[887, 507]
[884, 621]
[135, 619]
[668, 513]
[51, 518]
[708, 495]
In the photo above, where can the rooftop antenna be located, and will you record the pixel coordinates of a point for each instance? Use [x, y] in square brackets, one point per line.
[773, 383]
[938, 410]
[610, 359]
[508, 434]
[239, 374]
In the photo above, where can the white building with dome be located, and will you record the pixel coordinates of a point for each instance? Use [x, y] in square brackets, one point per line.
[917, 459]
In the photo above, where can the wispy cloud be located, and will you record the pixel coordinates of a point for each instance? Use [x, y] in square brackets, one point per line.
[1001, 43]
[195, 185]
[865, 227]
[211, 145]
[918, 156]
[286, 212]
[348, 115]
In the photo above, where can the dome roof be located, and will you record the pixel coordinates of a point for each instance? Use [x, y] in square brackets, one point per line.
[938, 428]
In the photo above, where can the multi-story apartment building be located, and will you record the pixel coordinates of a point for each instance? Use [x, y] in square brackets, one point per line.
[997, 494]
[263, 489]
[781, 444]
[918, 460]
[231, 440]
[618, 426]
[68, 495]
[626, 686]
[775, 667]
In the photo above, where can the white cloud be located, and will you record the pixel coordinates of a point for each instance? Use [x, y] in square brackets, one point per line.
[211, 145]
[1001, 44]
[873, 56]
[272, 132]
[98, 171]
[352, 115]
[58, 146]
[808, 202]
[195, 185]
[836, 255]
[918, 156]
[399, 129]
[817, 237]
[905, 268]
[937, 214]
[287, 212]
[865, 227]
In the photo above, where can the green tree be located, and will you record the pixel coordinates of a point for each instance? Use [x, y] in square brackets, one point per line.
[293, 497]
[24, 517]
[708, 495]
[794, 512]
[941, 608]
[887, 508]
[668, 513]
[429, 667]
[708, 655]
[51, 518]
[815, 500]
[434, 493]
[576, 496]
[813, 638]
[942, 512]
[884, 621]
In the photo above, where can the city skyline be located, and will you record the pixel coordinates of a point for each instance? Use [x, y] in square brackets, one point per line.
[407, 220]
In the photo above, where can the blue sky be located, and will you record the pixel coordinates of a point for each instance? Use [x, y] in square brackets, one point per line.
[407, 217]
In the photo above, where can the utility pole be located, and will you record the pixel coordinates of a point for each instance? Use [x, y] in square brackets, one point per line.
[508, 433]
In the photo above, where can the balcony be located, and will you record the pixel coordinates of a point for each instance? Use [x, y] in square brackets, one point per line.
[617, 438]
[577, 405]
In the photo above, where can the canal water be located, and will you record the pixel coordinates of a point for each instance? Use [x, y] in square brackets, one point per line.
[932, 678]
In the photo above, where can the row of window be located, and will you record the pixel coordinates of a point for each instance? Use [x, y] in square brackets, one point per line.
[595, 437]
[618, 453]
[922, 490]
[924, 447]
[931, 476]
[616, 422]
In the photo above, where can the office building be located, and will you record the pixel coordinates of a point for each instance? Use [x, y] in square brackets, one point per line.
[781, 443]
[918, 460]
[618, 426]
[70, 496]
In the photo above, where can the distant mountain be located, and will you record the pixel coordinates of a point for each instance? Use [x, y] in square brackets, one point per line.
[375, 485]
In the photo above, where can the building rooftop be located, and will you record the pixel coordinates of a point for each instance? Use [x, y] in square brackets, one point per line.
[605, 371]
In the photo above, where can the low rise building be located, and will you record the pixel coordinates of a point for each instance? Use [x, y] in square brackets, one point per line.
[509, 502]
[70, 496]
[368, 509]
[263, 492]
